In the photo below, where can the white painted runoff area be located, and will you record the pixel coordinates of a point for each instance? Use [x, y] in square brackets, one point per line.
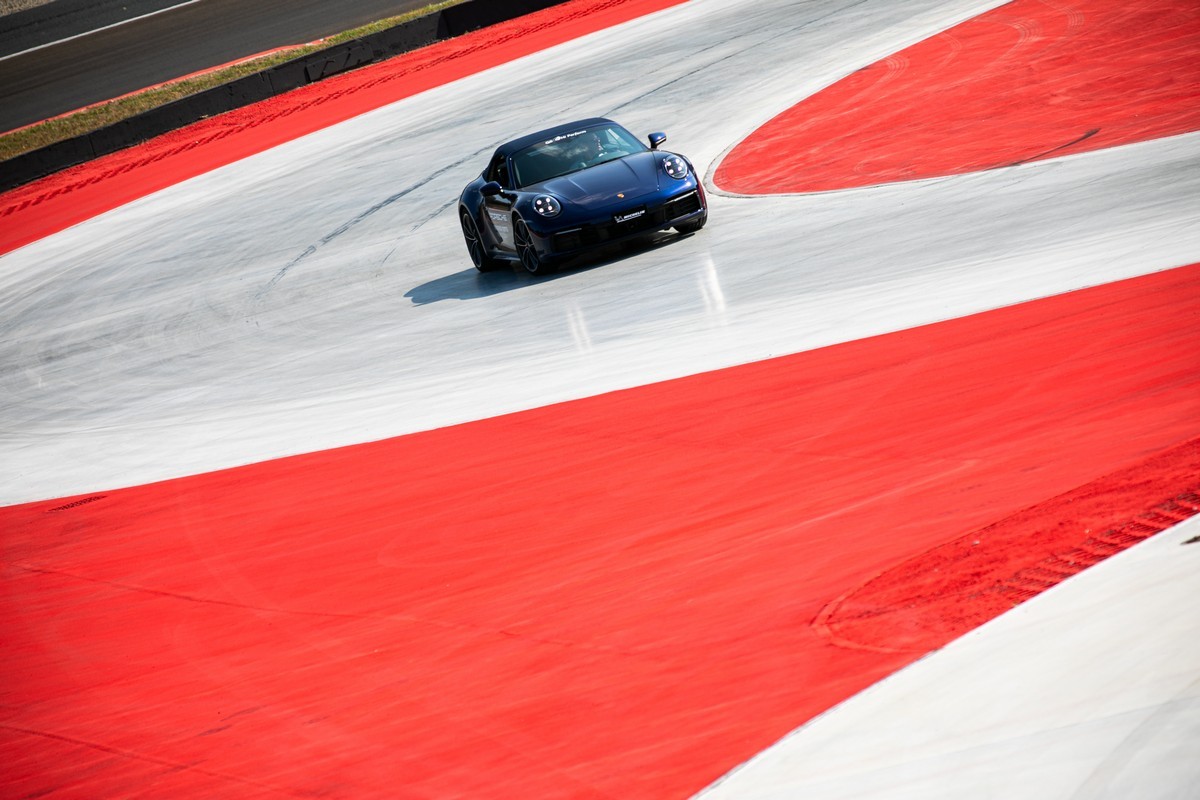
[319, 294]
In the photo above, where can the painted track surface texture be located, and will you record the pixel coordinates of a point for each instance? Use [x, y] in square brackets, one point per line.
[1089, 690]
[1027, 81]
[466, 598]
[612, 596]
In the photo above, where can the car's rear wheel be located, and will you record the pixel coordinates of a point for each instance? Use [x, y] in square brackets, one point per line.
[480, 257]
[531, 261]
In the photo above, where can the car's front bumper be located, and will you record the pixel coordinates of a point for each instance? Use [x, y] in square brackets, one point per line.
[678, 210]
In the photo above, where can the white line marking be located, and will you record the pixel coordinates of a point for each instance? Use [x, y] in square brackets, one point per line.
[97, 30]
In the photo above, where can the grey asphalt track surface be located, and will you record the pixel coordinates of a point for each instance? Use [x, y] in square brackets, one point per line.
[49, 65]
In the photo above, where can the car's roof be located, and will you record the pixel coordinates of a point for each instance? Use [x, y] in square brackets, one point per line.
[508, 148]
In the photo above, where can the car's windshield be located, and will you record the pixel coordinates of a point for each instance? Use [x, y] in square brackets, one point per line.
[570, 152]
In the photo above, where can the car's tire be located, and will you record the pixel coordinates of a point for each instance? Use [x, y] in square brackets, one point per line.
[693, 226]
[480, 257]
[531, 261]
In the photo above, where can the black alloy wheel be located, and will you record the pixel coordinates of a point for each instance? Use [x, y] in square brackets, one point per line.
[693, 226]
[527, 250]
[479, 255]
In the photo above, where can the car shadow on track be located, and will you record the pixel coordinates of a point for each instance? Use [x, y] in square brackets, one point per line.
[470, 284]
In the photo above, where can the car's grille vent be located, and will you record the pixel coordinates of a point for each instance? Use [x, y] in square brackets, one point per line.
[568, 240]
[681, 206]
[590, 235]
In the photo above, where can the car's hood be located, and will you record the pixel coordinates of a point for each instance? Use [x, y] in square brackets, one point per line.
[631, 176]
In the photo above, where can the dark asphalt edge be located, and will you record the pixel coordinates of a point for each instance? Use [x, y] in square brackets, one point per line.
[40, 25]
[403, 38]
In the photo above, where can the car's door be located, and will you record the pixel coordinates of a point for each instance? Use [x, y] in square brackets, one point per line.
[498, 208]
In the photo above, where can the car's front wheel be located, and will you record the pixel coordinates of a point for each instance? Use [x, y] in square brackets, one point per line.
[693, 226]
[531, 260]
[480, 257]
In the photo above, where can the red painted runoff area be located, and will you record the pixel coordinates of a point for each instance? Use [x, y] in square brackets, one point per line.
[621, 596]
[1027, 81]
[39, 209]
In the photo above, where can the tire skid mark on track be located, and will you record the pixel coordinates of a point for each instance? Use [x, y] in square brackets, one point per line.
[174, 766]
[406, 619]
[781, 33]
[953, 588]
[1054, 150]
[360, 218]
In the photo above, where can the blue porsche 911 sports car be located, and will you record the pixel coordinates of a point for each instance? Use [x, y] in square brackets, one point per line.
[559, 192]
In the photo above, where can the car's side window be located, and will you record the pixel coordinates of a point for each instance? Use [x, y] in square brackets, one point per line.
[498, 171]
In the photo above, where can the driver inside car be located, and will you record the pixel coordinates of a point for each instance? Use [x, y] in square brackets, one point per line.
[591, 152]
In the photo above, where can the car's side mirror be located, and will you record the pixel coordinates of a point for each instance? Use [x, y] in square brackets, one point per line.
[491, 189]
[656, 139]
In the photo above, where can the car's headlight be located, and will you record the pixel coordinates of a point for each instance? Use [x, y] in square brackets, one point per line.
[675, 166]
[547, 205]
